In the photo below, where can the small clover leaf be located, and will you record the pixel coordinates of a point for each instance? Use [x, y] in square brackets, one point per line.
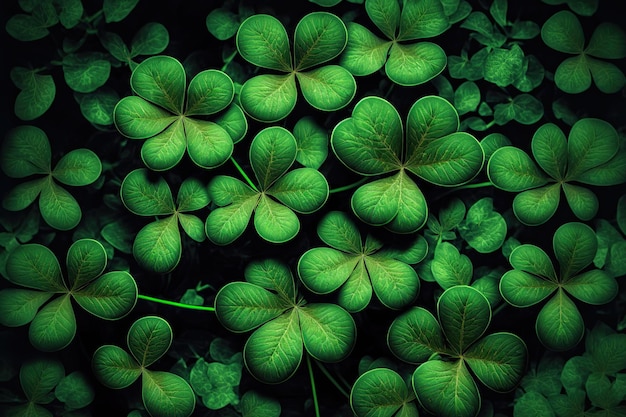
[216, 383]
[373, 142]
[25, 152]
[443, 383]
[279, 194]
[158, 245]
[581, 7]
[559, 324]
[75, 391]
[355, 267]
[564, 33]
[151, 39]
[591, 155]
[382, 392]
[405, 64]
[163, 393]
[319, 37]
[171, 115]
[484, 229]
[285, 324]
[109, 296]
[36, 95]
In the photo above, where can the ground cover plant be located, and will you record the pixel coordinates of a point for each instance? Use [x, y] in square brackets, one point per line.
[367, 208]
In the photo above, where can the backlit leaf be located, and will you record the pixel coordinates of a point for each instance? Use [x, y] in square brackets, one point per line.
[549, 148]
[157, 246]
[110, 297]
[138, 119]
[415, 335]
[318, 38]
[114, 367]
[78, 167]
[39, 376]
[151, 39]
[594, 287]
[592, 142]
[225, 224]
[385, 15]
[269, 97]
[338, 230]
[608, 41]
[209, 91]
[208, 144]
[275, 222]
[537, 206]
[575, 246]
[559, 323]
[416, 63]
[324, 270]
[146, 195]
[449, 267]
[148, 339]
[572, 75]
[86, 260]
[262, 40]
[424, 19]
[35, 266]
[272, 275]
[532, 259]
[222, 23]
[328, 331]
[327, 88]
[484, 229]
[522, 289]
[36, 98]
[563, 32]
[161, 80]
[18, 306]
[378, 393]
[365, 52]
[582, 201]
[304, 190]
[54, 327]
[25, 151]
[312, 142]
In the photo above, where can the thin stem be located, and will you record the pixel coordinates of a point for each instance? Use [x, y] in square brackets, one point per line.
[174, 303]
[243, 174]
[332, 379]
[499, 308]
[490, 124]
[349, 186]
[228, 60]
[94, 16]
[475, 185]
[313, 389]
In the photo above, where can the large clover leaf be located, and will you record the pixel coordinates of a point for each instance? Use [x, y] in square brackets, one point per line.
[372, 142]
[304, 190]
[319, 37]
[284, 322]
[158, 246]
[564, 33]
[355, 267]
[590, 155]
[405, 63]
[164, 394]
[559, 324]
[109, 296]
[443, 384]
[25, 152]
[381, 392]
[172, 115]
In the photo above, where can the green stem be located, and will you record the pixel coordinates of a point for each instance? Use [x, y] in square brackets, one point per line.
[349, 186]
[499, 308]
[228, 60]
[94, 16]
[475, 185]
[243, 174]
[174, 303]
[332, 379]
[490, 124]
[313, 389]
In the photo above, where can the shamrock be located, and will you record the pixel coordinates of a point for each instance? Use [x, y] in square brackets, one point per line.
[372, 143]
[172, 115]
[590, 155]
[564, 33]
[355, 267]
[158, 246]
[559, 324]
[109, 296]
[164, 394]
[26, 151]
[452, 345]
[305, 190]
[405, 64]
[319, 37]
[284, 322]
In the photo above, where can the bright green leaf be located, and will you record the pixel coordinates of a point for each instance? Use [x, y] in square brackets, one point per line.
[148, 339]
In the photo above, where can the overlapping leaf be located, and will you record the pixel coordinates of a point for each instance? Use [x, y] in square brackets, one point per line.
[171, 115]
[443, 384]
[373, 142]
[109, 296]
[591, 155]
[285, 324]
[158, 245]
[279, 195]
[559, 324]
[25, 152]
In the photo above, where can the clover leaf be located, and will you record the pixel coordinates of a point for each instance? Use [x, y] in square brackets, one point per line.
[449, 346]
[172, 115]
[216, 383]
[304, 190]
[286, 325]
[559, 324]
[373, 142]
[319, 37]
[355, 267]
[109, 296]
[36, 95]
[25, 152]
[151, 39]
[381, 392]
[163, 393]
[254, 404]
[612, 242]
[590, 155]
[564, 33]
[117, 10]
[405, 63]
[158, 245]
[581, 7]
[484, 229]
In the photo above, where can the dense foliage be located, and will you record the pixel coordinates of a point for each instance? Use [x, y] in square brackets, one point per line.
[367, 208]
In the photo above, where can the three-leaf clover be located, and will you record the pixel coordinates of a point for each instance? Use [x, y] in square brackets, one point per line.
[109, 296]
[356, 267]
[559, 324]
[164, 394]
[373, 142]
[405, 63]
[158, 245]
[284, 322]
[564, 33]
[451, 346]
[590, 155]
[319, 37]
[304, 190]
[25, 152]
[172, 115]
